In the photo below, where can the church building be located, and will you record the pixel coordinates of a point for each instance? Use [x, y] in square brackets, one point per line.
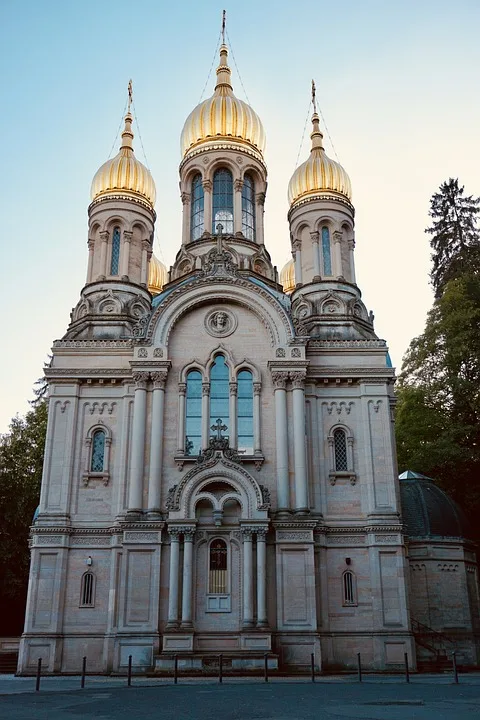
[220, 471]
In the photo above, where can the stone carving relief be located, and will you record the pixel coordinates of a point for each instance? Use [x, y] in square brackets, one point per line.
[140, 328]
[108, 304]
[297, 536]
[100, 407]
[280, 353]
[346, 539]
[158, 353]
[142, 353]
[386, 538]
[296, 353]
[220, 322]
[447, 567]
[339, 407]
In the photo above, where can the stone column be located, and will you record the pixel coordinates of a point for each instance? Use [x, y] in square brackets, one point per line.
[135, 498]
[237, 206]
[259, 211]
[91, 246]
[144, 271]
[262, 578]
[337, 246]
[205, 414]
[351, 254]
[257, 388]
[207, 206]
[103, 254]
[233, 415]
[125, 254]
[156, 442]
[172, 622]
[316, 256]
[247, 578]
[301, 494]
[182, 392]
[297, 259]
[186, 218]
[281, 439]
[188, 535]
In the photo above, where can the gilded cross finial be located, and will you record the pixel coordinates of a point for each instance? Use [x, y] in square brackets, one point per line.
[314, 98]
[224, 22]
[130, 95]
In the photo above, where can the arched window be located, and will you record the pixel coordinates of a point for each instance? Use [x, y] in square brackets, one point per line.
[340, 450]
[327, 258]
[223, 201]
[245, 412]
[349, 588]
[219, 398]
[217, 575]
[248, 207]
[193, 433]
[115, 251]
[97, 462]
[197, 218]
[87, 590]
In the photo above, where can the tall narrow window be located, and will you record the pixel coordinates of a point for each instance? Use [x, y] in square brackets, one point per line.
[223, 201]
[219, 398]
[97, 463]
[217, 580]
[340, 449]
[115, 251]
[193, 438]
[248, 207]
[197, 218]
[87, 590]
[245, 412]
[327, 258]
[349, 590]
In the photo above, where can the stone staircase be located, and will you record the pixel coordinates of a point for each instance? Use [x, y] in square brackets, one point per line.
[434, 648]
[8, 663]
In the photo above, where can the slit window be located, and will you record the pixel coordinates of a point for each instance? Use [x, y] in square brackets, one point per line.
[197, 209]
[349, 594]
[223, 201]
[219, 419]
[340, 449]
[97, 463]
[248, 207]
[193, 438]
[327, 258]
[245, 412]
[87, 591]
[115, 251]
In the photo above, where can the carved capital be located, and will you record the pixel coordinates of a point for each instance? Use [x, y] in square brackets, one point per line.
[260, 198]
[262, 534]
[188, 533]
[233, 388]
[207, 185]
[127, 236]
[297, 246]
[146, 245]
[298, 379]
[257, 388]
[280, 380]
[205, 388]
[238, 185]
[159, 379]
[247, 534]
[315, 237]
[185, 198]
[182, 388]
[337, 236]
[174, 533]
[91, 244]
[104, 235]
[140, 379]
[351, 244]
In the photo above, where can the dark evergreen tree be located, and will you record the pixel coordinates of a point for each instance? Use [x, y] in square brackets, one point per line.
[455, 239]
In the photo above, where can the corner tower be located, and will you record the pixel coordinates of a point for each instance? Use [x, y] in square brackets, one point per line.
[121, 220]
[325, 295]
[223, 180]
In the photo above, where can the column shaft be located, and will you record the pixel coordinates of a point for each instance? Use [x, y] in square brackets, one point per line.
[205, 414]
[259, 211]
[281, 440]
[237, 206]
[182, 389]
[187, 580]
[125, 254]
[337, 238]
[301, 494]
[207, 207]
[297, 258]
[103, 253]
[144, 271]
[135, 499]
[256, 418]
[186, 217]
[156, 443]
[351, 247]
[91, 246]
[316, 254]
[247, 580]
[173, 581]
[233, 415]
[261, 580]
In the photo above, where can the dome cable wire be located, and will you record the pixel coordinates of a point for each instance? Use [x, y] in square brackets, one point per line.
[118, 131]
[211, 67]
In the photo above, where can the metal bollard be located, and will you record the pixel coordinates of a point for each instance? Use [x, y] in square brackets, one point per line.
[84, 670]
[220, 668]
[455, 670]
[266, 667]
[312, 658]
[175, 669]
[129, 681]
[359, 664]
[407, 672]
[39, 672]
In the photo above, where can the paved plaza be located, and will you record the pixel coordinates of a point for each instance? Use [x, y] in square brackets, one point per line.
[330, 698]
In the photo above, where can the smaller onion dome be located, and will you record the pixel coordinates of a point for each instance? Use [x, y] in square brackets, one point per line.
[157, 276]
[319, 174]
[223, 117]
[287, 276]
[428, 511]
[124, 174]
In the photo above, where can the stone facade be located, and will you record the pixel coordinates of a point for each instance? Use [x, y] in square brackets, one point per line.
[291, 544]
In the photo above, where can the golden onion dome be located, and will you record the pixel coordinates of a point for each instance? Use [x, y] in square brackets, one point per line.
[319, 174]
[223, 117]
[124, 174]
[157, 276]
[287, 277]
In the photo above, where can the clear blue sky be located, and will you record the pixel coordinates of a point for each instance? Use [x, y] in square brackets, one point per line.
[397, 84]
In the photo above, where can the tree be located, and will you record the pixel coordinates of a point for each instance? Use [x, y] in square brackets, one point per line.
[21, 462]
[455, 237]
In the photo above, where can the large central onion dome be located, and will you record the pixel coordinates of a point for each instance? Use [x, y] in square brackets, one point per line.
[319, 175]
[124, 174]
[223, 117]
